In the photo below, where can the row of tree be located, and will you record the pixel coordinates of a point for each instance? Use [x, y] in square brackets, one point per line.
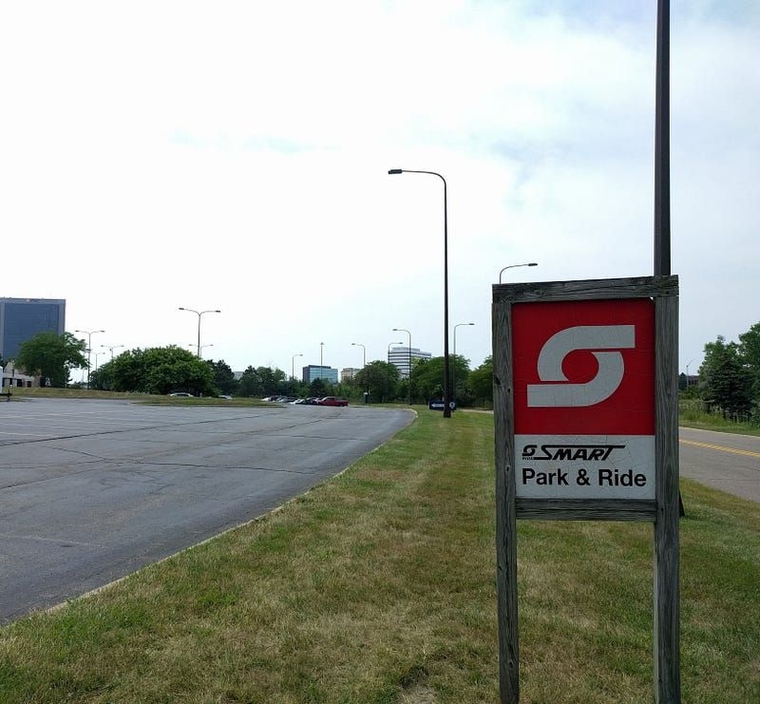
[729, 377]
[163, 370]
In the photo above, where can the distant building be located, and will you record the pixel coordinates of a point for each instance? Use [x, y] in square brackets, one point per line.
[10, 378]
[348, 373]
[314, 371]
[399, 357]
[21, 319]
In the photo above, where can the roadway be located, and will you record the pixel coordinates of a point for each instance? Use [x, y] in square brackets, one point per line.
[92, 490]
[724, 461]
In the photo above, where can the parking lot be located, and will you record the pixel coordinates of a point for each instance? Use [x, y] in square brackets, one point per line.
[93, 490]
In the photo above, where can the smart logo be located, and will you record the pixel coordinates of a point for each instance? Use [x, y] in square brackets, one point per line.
[583, 367]
[559, 392]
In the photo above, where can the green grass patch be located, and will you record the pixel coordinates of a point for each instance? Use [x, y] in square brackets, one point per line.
[691, 415]
[379, 587]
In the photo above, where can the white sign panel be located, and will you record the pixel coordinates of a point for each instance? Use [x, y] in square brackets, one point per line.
[584, 467]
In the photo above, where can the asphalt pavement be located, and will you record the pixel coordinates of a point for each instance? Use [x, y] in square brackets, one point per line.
[92, 490]
[724, 461]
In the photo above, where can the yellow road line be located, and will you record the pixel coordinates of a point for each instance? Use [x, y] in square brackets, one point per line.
[749, 453]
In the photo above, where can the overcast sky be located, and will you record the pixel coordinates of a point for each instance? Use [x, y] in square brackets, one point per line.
[234, 156]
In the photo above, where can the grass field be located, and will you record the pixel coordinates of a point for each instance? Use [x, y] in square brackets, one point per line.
[692, 415]
[379, 587]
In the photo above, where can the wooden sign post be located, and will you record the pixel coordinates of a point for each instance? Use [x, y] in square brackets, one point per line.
[586, 428]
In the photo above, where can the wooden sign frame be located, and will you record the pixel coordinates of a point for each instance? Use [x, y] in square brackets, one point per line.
[663, 511]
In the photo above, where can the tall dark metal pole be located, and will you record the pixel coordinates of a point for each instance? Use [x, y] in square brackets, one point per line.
[662, 143]
[446, 385]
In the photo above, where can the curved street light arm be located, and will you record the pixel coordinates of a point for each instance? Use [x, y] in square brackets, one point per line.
[199, 313]
[513, 266]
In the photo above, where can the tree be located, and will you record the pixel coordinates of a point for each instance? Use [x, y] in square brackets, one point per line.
[172, 368]
[428, 378]
[126, 371]
[727, 380]
[380, 379]
[272, 380]
[102, 377]
[318, 387]
[52, 356]
[250, 384]
[224, 377]
[157, 370]
[459, 369]
[481, 382]
[749, 350]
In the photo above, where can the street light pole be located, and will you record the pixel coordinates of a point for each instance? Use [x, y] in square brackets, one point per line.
[446, 387]
[364, 366]
[192, 344]
[409, 377]
[688, 382]
[513, 266]
[89, 334]
[112, 348]
[321, 363]
[293, 364]
[364, 353]
[458, 325]
[199, 313]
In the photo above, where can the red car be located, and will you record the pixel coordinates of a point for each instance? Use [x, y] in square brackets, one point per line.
[332, 401]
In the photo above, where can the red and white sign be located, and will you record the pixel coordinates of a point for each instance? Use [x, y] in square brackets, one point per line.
[584, 399]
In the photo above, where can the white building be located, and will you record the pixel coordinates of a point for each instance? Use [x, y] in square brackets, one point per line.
[402, 356]
[9, 377]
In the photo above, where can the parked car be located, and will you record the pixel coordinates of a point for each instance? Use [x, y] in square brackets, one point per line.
[181, 394]
[332, 401]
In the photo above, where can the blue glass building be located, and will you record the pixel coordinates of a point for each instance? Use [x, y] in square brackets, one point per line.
[314, 371]
[23, 318]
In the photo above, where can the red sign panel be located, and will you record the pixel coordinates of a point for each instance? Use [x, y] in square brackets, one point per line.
[584, 367]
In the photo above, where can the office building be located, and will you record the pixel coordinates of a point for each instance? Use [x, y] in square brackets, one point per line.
[21, 319]
[314, 371]
[400, 356]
